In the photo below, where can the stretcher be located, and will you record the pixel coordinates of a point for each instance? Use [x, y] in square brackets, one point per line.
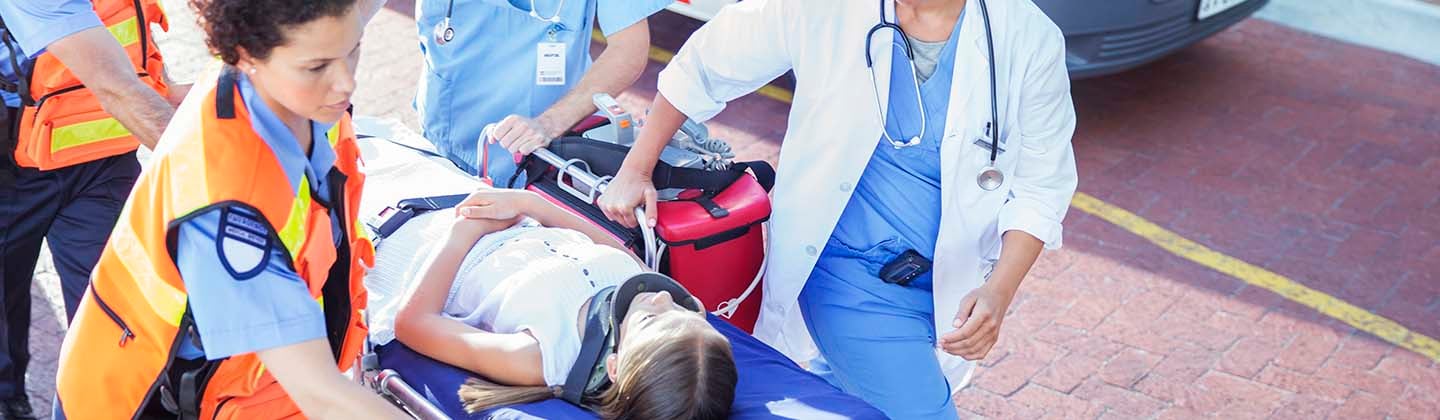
[401, 165]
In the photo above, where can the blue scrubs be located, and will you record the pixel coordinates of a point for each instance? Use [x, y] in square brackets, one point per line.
[488, 71]
[877, 340]
[243, 294]
[73, 208]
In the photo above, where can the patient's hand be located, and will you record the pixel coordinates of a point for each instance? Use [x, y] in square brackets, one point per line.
[465, 231]
[498, 204]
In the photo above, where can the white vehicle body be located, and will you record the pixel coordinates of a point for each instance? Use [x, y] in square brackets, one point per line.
[701, 10]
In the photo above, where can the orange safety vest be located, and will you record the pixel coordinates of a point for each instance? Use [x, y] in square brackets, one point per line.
[62, 123]
[119, 355]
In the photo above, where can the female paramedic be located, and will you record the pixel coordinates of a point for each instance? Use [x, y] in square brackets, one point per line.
[231, 287]
[538, 300]
[888, 164]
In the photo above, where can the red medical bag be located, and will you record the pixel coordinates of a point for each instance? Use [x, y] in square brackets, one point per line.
[710, 237]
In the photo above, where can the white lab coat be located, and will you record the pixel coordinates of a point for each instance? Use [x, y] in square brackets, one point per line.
[834, 124]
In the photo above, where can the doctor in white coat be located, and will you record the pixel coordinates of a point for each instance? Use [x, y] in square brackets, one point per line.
[886, 165]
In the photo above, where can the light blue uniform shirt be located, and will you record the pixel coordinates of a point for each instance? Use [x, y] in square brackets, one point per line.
[35, 24]
[488, 71]
[240, 303]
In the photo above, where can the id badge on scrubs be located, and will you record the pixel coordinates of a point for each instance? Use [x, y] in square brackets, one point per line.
[550, 64]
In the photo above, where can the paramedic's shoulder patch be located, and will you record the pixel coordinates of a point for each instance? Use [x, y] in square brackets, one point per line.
[242, 242]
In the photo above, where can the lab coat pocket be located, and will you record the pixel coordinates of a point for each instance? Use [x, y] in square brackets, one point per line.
[1033, 145]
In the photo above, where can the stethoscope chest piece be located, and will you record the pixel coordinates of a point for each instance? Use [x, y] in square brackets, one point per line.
[990, 178]
[444, 33]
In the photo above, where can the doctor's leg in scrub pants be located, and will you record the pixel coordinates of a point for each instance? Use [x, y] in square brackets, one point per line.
[877, 339]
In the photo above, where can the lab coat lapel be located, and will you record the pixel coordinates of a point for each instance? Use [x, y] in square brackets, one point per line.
[956, 257]
[969, 83]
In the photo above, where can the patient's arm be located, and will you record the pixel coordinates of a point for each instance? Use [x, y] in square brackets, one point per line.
[510, 359]
[494, 203]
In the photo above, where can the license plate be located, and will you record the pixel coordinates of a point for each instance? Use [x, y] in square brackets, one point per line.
[1210, 8]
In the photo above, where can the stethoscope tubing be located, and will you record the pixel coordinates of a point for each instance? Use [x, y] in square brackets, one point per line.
[994, 90]
[445, 32]
[994, 127]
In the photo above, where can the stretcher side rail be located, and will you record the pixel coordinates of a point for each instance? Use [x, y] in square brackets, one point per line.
[390, 385]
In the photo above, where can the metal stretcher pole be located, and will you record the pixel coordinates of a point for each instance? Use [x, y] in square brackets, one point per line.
[579, 173]
[391, 384]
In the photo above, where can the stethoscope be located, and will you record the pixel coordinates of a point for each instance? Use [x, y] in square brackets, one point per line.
[990, 177]
[445, 32]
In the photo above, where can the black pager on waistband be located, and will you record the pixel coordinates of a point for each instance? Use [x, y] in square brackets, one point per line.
[905, 268]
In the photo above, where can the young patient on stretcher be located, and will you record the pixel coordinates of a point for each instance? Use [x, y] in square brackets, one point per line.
[506, 295]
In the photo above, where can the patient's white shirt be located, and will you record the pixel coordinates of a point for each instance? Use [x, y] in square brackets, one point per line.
[526, 278]
[537, 281]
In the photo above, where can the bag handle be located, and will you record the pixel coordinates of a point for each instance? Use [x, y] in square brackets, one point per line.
[605, 158]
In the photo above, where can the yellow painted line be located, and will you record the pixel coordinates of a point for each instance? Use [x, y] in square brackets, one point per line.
[663, 56]
[1331, 306]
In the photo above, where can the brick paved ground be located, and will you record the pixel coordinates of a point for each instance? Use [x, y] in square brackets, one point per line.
[1257, 143]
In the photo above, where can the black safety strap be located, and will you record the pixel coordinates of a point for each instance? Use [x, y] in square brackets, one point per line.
[526, 166]
[192, 389]
[336, 290]
[21, 86]
[710, 206]
[764, 173]
[393, 217]
[183, 384]
[666, 176]
[432, 203]
[596, 340]
[225, 93]
[531, 167]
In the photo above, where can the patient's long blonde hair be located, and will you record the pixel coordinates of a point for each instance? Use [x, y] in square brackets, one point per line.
[689, 373]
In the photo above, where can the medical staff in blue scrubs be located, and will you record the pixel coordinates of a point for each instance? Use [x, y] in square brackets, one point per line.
[524, 64]
[908, 206]
[73, 207]
[894, 208]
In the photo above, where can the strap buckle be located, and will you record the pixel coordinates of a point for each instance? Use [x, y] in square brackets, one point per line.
[389, 220]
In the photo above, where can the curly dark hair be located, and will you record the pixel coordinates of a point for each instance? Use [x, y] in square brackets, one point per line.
[256, 25]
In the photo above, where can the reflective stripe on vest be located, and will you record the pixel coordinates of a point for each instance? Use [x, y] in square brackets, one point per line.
[293, 234]
[83, 133]
[127, 31]
[62, 122]
[167, 301]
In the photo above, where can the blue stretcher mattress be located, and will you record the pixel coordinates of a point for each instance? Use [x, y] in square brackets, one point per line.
[771, 386]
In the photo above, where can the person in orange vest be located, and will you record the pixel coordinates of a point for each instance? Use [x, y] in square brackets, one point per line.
[231, 287]
[82, 85]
